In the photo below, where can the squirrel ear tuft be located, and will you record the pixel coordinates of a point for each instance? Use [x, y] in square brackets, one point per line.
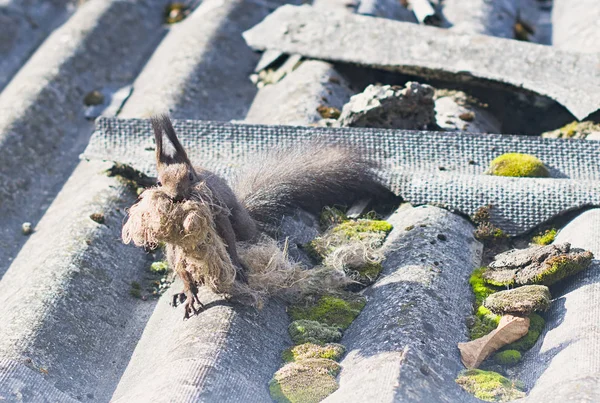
[168, 148]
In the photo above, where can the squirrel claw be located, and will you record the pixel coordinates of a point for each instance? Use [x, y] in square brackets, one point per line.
[189, 299]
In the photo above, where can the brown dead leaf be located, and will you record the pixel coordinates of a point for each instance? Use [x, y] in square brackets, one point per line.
[511, 328]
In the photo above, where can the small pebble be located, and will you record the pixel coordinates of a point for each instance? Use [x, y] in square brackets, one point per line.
[98, 217]
[442, 237]
[27, 228]
[467, 116]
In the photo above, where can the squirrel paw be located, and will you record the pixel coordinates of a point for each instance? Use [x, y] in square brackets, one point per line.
[189, 299]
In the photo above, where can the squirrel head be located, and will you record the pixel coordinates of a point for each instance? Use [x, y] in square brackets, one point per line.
[176, 175]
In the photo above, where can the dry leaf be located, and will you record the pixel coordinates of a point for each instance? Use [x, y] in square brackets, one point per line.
[511, 328]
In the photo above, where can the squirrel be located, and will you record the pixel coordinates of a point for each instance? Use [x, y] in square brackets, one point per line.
[200, 217]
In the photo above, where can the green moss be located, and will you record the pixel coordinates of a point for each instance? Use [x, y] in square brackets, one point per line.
[545, 238]
[536, 326]
[574, 129]
[369, 273]
[306, 381]
[331, 351]
[485, 322]
[518, 165]
[331, 216]
[329, 310]
[563, 266]
[487, 233]
[519, 301]
[507, 357]
[479, 287]
[159, 267]
[310, 331]
[355, 229]
[489, 386]
[371, 231]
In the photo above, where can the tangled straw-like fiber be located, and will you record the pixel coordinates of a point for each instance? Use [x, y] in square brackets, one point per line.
[188, 229]
[194, 247]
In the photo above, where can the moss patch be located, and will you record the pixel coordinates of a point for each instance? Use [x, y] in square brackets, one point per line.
[310, 331]
[135, 180]
[307, 381]
[563, 266]
[575, 129]
[331, 351]
[518, 165]
[490, 386]
[371, 231]
[479, 287]
[159, 267]
[545, 238]
[369, 273]
[507, 358]
[331, 216]
[536, 325]
[329, 310]
[485, 321]
[519, 301]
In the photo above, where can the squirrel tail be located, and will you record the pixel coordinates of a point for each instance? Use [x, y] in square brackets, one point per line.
[310, 176]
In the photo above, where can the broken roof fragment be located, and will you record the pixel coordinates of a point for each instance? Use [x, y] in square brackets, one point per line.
[567, 77]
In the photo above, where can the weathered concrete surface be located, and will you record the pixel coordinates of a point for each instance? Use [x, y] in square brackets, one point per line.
[225, 354]
[565, 362]
[403, 345]
[203, 52]
[43, 128]
[454, 112]
[295, 99]
[494, 18]
[65, 303]
[391, 107]
[25, 24]
[576, 25]
[569, 78]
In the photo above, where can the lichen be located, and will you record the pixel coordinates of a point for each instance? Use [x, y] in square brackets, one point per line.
[490, 386]
[331, 351]
[329, 310]
[518, 165]
[507, 357]
[545, 238]
[536, 325]
[306, 381]
[160, 267]
[563, 266]
[310, 331]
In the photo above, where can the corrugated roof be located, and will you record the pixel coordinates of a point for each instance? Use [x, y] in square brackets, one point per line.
[69, 328]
